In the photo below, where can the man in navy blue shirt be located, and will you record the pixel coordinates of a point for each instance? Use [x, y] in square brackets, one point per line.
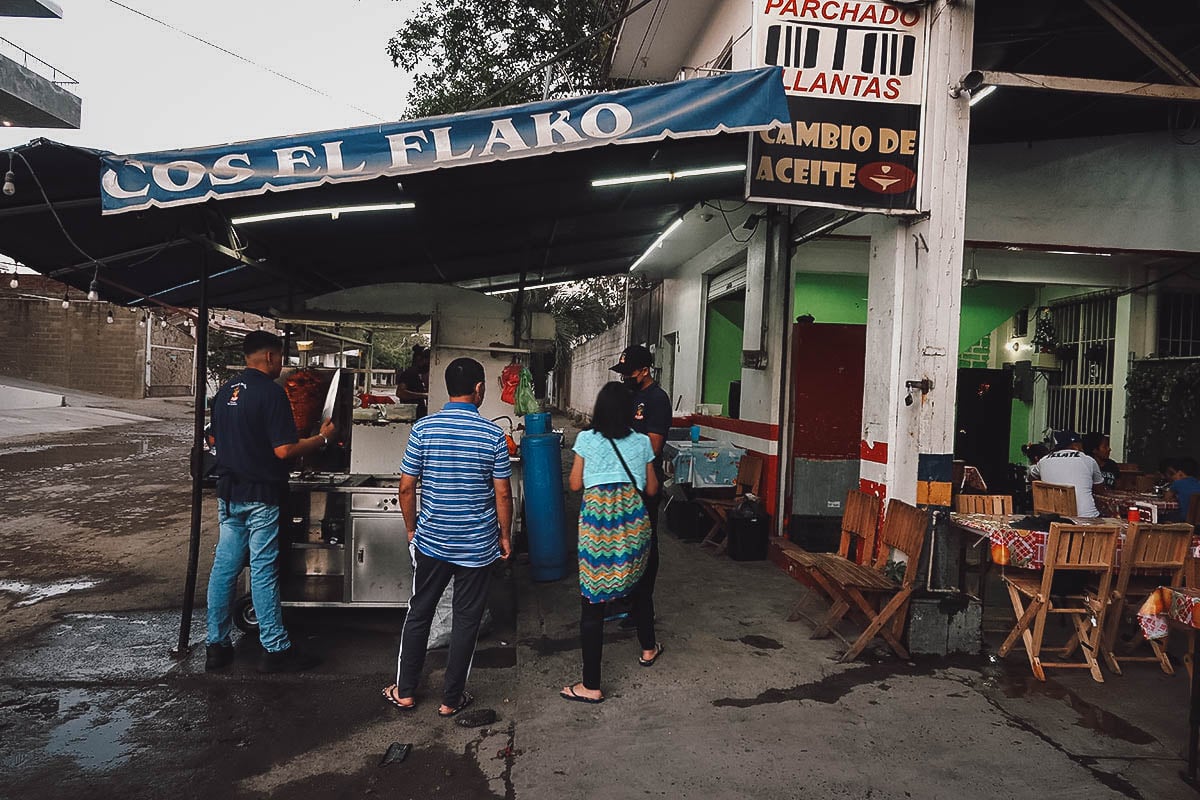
[255, 437]
[651, 416]
[464, 526]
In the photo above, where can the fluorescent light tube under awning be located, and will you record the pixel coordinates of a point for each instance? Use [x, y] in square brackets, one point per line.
[333, 212]
[669, 176]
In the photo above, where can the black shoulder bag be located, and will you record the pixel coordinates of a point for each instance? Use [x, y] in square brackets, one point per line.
[629, 472]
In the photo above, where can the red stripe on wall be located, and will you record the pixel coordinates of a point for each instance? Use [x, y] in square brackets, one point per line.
[877, 454]
[759, 430]
[871, 487]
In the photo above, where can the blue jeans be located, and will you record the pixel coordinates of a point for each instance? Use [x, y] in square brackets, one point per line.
[249, 532]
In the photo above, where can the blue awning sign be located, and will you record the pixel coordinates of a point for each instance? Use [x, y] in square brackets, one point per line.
[731, 102]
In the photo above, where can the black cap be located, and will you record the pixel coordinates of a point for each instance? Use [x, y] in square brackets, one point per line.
[632, 358]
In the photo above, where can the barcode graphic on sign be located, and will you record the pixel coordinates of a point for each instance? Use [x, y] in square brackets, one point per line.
[888, 53]
[830, 48]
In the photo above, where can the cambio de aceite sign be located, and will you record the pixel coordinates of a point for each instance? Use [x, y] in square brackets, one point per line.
[854, 75]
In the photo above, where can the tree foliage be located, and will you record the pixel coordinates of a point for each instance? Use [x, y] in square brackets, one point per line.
[460, 52]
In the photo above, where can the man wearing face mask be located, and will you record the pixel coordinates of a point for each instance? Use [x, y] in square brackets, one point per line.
[651, 416]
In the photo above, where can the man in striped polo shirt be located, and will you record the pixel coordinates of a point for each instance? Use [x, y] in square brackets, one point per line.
[464, 526]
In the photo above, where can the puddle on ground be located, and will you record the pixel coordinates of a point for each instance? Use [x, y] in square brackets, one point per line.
[1091, 716]
[761, 642]
[92, 737]
[32, 593]
[495, 658]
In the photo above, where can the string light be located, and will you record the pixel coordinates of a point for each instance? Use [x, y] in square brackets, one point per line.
[162, 323]
[66, 301]
[142, 320]
[10, 184]
[14, 283]
[94, 287]
[109, 318]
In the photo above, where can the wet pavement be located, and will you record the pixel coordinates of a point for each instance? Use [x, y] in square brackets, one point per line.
[742, 703]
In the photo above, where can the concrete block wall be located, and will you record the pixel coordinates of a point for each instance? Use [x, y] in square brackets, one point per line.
[75, 347]
[589, 369]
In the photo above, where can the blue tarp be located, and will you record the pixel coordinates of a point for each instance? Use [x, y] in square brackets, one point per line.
[735, 101]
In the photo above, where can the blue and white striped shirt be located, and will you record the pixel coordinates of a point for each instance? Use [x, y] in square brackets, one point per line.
[457, 454]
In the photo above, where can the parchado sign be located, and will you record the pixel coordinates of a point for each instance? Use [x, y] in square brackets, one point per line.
[854, 75]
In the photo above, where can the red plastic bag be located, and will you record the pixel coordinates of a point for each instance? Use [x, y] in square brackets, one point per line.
[510, 379]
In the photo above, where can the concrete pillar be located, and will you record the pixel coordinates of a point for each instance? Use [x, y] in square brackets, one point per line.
[1123, 346]
[914, 292]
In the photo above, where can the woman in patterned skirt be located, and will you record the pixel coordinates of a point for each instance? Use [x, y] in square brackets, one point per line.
[613, 465]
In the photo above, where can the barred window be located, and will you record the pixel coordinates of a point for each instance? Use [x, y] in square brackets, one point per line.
[1178, 325]
[1080, 395]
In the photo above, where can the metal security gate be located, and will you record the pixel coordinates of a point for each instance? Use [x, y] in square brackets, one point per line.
[1080, 395]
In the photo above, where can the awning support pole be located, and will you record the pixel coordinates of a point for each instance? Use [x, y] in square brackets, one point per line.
[201, 367]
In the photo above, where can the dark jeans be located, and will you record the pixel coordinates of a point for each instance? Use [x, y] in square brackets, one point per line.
[430, 578]
[591, 620]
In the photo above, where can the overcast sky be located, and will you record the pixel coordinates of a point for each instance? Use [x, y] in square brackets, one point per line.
[146, 87]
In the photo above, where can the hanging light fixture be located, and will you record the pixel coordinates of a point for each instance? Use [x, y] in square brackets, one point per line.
[142, 320]
[94, 286]
[14, 283]
[10, 184]
[162, 323]
[109, 318]
[66, 301]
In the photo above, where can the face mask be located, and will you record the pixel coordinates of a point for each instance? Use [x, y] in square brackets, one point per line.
[631, 383]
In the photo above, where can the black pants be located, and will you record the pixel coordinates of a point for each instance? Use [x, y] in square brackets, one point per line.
[591, 621]
[430, 578]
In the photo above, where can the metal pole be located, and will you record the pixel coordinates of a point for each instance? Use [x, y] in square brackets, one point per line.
[201, 369]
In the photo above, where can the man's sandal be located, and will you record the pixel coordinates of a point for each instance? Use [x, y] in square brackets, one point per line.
[467, 699]
[389, 694]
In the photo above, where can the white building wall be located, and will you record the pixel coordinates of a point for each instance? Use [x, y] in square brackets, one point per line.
[729, 22]
[590, 364]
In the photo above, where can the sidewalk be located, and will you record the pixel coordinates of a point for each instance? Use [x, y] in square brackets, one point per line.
[82, 411]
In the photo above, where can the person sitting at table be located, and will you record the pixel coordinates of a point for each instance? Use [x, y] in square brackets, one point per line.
[1069, 465]
[1098, 447]
[1035, 452]
[1184, 484]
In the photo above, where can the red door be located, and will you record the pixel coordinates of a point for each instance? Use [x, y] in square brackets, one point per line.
[827, 384]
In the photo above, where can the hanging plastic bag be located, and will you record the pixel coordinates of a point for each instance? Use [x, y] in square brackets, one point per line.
[510, 379]
[526, 403]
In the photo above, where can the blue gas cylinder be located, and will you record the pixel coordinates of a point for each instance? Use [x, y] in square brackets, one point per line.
[541, 461]
[537, 423]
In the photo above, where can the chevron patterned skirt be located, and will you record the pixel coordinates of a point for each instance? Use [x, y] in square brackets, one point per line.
[614, 541]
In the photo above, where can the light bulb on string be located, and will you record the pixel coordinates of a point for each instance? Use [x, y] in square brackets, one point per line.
[109, 318]
[94, 287]
[66, 303]
[10, 183]
[142, 321]
[14, 283]
[162, 323]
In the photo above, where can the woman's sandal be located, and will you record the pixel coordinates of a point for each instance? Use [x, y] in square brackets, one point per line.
[569, 693]
[649, 662]
[467, 699]
[389, 694]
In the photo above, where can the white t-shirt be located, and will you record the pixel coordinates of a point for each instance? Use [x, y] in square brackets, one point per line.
[1073, 468]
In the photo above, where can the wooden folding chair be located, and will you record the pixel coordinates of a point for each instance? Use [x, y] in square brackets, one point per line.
[1069, 549]
[1153, 556]
[860, 521]
[850, 584]
[749, 475]
[999, 504]
[1054, 498]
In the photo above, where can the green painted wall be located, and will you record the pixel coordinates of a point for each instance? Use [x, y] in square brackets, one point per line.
[985, 308]
[837, 299]
[842, 299]
[723, 349]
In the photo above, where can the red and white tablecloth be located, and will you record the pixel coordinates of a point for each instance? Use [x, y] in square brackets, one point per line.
[1169, 604]
[1116, 502]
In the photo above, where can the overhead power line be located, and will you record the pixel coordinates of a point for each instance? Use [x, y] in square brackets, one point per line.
[246, 60]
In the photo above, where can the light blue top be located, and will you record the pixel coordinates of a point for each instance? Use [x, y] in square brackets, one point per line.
[457, 454]
[601, 465]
